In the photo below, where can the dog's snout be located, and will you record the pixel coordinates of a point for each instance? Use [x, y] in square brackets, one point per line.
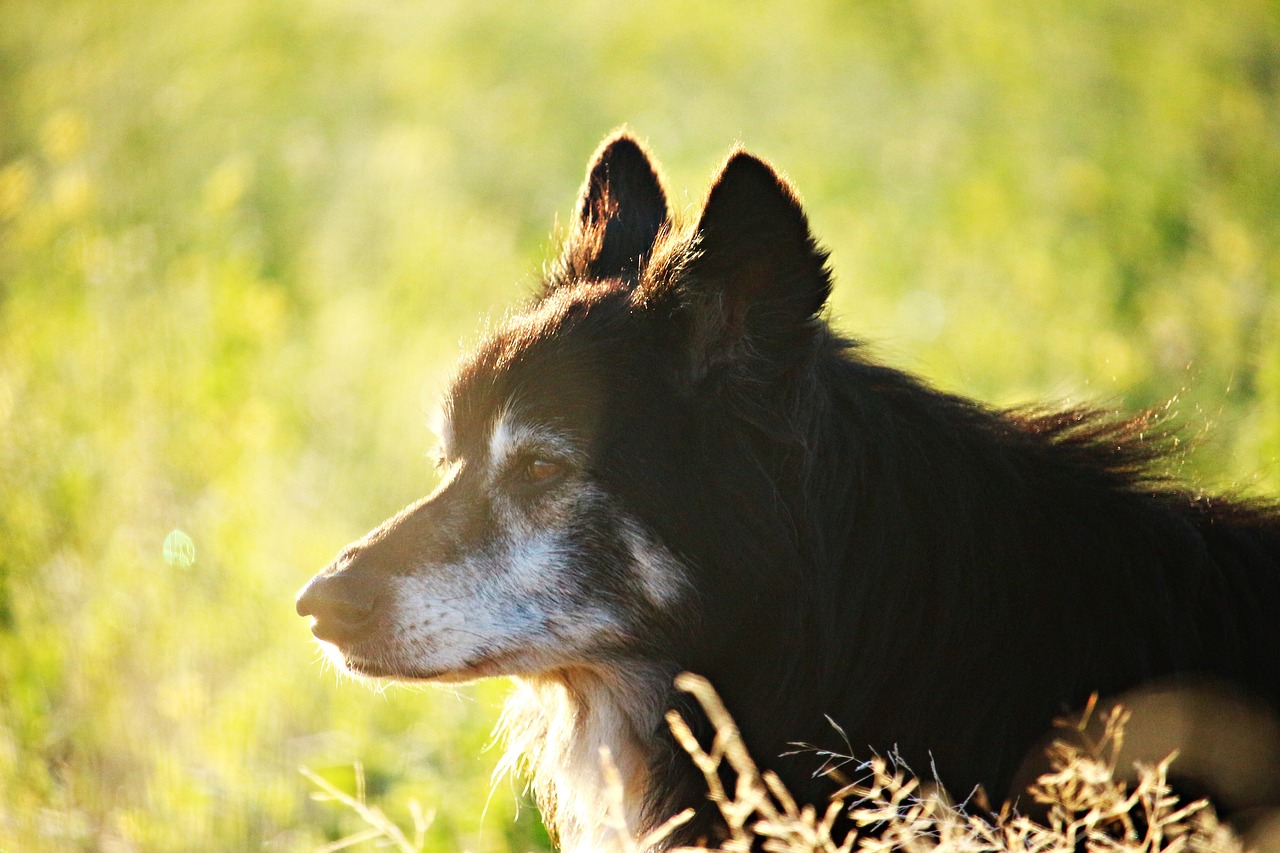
[341, 605]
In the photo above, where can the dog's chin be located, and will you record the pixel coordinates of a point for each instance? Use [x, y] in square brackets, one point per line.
[391, 669]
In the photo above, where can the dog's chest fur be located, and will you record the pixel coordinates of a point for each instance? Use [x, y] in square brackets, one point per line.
[555, 728]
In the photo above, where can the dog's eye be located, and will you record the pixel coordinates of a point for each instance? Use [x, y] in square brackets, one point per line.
[542, 470]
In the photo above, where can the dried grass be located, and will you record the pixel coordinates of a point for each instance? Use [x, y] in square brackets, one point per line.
[1088, 807]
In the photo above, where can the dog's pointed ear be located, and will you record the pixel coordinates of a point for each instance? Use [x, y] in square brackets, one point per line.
[621, 210]
[758, 279]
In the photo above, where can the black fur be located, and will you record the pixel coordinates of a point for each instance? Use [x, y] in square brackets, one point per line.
[939, 577]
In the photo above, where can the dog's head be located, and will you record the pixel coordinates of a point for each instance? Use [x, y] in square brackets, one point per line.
[578, 441]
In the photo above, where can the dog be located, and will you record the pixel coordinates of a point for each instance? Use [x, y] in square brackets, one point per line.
[669, 461]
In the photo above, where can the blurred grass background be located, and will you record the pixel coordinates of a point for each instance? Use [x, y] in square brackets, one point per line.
[241, 243]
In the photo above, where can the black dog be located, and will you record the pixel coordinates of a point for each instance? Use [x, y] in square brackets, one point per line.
[670, 462]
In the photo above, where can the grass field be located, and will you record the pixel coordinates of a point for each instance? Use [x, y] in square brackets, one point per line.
[242, 242]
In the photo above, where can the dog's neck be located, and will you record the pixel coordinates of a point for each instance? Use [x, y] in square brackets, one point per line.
[555, 726]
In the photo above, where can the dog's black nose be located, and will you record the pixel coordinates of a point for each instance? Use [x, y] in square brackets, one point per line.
[341, 604]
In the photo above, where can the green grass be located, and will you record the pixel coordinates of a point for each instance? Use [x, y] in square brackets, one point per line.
[241, 244]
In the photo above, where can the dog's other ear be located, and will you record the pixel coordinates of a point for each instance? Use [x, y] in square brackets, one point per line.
[758, 279]
[620, 212]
